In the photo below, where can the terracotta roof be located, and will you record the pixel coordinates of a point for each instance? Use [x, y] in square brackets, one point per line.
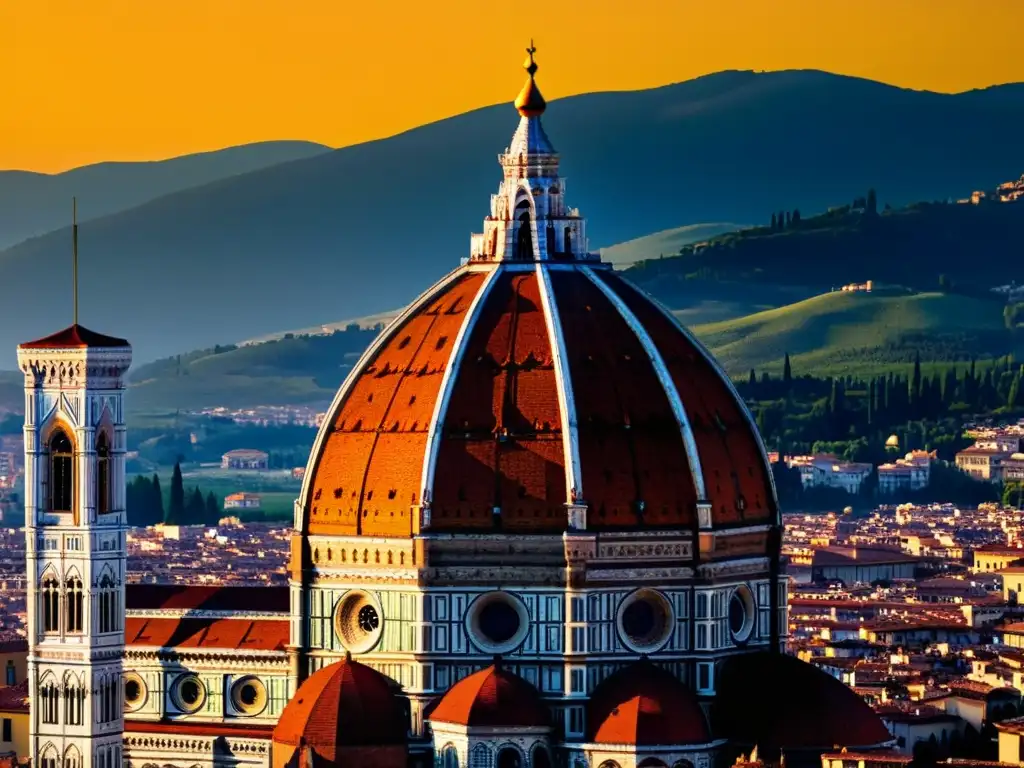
[500, 446]
[780, 702]
[192, 728]
[492, 697]
[234, 634]
[345, 704]
[860, 556]
[646, 706]
[143, 597]
[14, 698]
[75, 337]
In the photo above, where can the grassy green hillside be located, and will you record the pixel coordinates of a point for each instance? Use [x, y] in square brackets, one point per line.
[290, 370]
[665, 243]
[863, 333]
[972, 245]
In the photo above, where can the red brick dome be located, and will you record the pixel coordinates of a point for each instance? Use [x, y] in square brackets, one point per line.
[518, 390]
[646, 706]
[774, 701]
[492, 697]
[531, 378]
[344, 705]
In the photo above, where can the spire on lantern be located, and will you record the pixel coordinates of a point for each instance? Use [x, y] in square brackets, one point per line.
[529, 102]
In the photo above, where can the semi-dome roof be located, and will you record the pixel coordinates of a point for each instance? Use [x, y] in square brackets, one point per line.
[494, 698]
[775, 701]
[646, 706]
[532, 378]
[345, 704]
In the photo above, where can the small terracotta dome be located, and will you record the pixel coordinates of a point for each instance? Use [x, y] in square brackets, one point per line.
[774, 701]
[645, 705]
[344, 705]
[492, 697]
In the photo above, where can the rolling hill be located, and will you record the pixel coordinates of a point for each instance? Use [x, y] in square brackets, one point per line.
[838, 332]
[32, 204]
[972, 246]
[363, 229]
[666, 243]
[854, 332]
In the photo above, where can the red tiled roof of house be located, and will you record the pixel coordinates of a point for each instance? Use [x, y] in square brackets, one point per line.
[76, 337]
[234, 634]
[492, 697]
[645, 705]
[261, 599]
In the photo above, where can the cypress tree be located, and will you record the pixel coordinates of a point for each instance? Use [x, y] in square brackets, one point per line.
[212, 509]
[787, 374]
[1014, 394]
[753, 379]
[915, 387]
[195, 510]
[156, 500]
[871, 402]
[176, 509]
[775, 222]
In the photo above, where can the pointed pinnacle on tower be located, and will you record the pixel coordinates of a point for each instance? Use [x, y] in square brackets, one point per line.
[529, 102]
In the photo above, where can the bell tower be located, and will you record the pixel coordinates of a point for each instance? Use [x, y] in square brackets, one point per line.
[75, 544]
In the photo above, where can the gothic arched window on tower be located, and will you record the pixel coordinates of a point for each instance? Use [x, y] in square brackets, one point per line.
[62, 480]
[567, 245]
[74, 701]
[73, 622]
[107, 605]
[51, 604]
[49, 695]
[103, 502]
[524, 240]
[72, 758]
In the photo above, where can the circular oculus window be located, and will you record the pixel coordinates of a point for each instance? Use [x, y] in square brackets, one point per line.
[249, 695]
[135, 691]
[189, 694]
[359, 621]
[644, 620]
[742, 613]
[497, 622]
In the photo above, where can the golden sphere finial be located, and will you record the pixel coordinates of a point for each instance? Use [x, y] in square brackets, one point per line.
[529, 102]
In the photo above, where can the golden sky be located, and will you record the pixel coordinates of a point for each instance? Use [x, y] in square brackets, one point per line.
[82, 82]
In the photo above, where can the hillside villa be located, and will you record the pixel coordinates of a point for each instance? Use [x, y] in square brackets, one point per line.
[242, 500]
[911, 473]
[245, 458]
[995, 456]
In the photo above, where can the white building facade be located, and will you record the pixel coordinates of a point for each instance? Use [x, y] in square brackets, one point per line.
[75, 546]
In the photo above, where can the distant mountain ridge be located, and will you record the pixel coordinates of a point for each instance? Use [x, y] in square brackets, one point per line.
[33, 204]
[363, 229]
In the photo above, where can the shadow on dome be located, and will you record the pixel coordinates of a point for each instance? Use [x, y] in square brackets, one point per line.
[646, 706]
[780, 703]
[345, 714]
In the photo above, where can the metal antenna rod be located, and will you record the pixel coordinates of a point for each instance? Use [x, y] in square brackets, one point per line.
[74, 251]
